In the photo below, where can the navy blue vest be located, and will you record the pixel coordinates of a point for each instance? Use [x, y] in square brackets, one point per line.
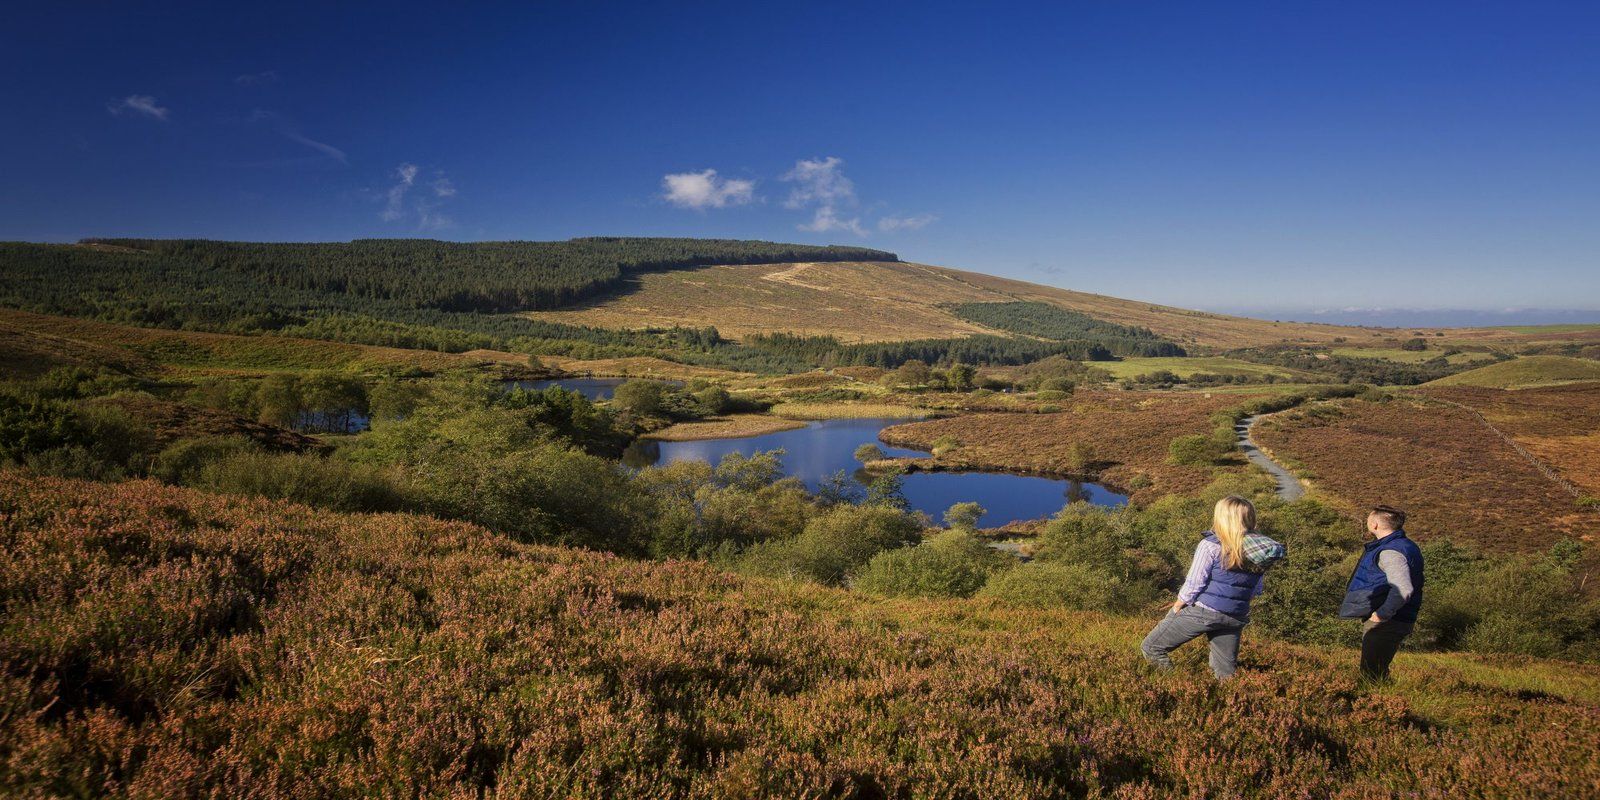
[1228, 590]
[1369, 588]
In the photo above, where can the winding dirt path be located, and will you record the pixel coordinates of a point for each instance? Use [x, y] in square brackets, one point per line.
[1289, 487]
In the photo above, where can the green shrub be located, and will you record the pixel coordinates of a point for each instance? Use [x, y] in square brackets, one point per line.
[182, 461]
[1196, 450]
[1507, 632]
[868, 452]
[832, 545]
[309, 479]
[640, 397]
[712, 400]
[964, 516]
[951, 564]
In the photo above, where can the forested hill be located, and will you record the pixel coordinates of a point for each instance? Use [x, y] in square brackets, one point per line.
[174, 276]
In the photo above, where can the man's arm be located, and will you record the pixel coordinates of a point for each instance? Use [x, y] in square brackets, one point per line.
[1397, 571]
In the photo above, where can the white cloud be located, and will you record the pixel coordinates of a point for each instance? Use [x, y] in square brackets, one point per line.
[892, 224]
[394, 208]
[819, 181]
[827, 219]
[138, 104]
[704, 189]
[399, 203]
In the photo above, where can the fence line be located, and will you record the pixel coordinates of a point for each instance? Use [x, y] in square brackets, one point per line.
[1532, 459]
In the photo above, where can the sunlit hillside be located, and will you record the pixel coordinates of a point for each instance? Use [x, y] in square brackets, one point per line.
[880, 301]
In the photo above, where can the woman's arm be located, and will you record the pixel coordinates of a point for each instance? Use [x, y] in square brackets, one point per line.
[1205, 556]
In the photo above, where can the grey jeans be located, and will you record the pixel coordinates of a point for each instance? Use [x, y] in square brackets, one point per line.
[1189, 623]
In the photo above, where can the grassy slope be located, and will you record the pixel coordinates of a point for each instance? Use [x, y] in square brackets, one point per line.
[859, 301]
[1526, 371]
[1408, 356]
[1185, 367]
[32, 343]
[211, 645]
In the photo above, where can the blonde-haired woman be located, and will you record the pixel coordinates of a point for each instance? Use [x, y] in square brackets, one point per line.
[1226, 573]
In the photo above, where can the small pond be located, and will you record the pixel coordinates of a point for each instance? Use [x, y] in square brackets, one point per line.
[821, 449]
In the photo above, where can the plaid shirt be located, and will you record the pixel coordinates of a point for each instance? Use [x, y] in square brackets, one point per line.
[1263, 551]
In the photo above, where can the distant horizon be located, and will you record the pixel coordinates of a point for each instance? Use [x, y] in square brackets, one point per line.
[1422, 317]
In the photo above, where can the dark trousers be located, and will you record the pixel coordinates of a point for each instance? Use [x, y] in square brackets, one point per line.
[1379, 642]
[1190, 623]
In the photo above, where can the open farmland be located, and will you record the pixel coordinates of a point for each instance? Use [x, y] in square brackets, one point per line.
[1439, 462]
[166, 643]
[30, 340]
[1560, 425]
[1128, 435]
[886, 301]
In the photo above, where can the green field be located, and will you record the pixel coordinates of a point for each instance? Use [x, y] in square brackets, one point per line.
[1526, 371]
[1407, 356]
[1186, 367]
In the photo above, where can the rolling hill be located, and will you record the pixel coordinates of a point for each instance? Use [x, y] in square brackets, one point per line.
[1526, 372]
[866, 301]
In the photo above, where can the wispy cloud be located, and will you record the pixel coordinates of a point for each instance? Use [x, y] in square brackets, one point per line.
[918, 222]
[257, 78]
[395, 207]
[292, 132]
[705, 189]
[141, 104]
[401, 203]
[825, 218]
[820, 184]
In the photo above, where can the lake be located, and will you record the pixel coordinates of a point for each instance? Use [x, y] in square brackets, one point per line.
[821, 449]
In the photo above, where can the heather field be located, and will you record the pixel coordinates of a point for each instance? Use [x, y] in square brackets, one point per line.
[1559, 425]
[1440, 462]
[1128, 435]
[160, 642]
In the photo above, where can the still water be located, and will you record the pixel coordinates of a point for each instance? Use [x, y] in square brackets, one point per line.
[820, 449]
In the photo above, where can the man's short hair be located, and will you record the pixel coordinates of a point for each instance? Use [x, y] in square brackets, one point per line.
[1390, 516]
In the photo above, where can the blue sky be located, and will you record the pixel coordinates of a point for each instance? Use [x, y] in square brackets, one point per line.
[1278, 157]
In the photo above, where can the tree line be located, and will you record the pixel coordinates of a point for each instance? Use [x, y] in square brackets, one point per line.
[1046, 321]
